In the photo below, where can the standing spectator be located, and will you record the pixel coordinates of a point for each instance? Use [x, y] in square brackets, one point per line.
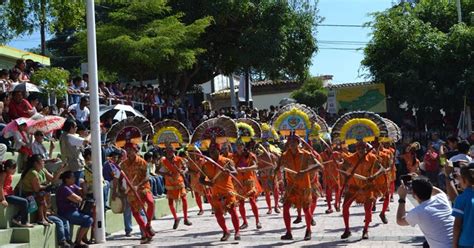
[81, 110]
[412, 163]
[22, 144]
[19, 107]
[67, 202]
[463, 210]
[75, 90]
[455, 162]
[432, 215]
[71, 153]
[85, 82]
[7, 196]
[431, 161]
[436, 141]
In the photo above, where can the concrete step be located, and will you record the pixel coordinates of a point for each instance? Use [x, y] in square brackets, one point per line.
[18, 245]
[5, 236]
[38, 236]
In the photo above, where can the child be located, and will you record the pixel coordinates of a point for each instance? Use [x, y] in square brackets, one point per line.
[463, 210]
[7, 169]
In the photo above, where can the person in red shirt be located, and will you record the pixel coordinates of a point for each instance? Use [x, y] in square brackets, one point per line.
[19, 107]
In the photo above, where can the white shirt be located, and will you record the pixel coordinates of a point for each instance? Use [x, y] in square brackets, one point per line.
[460, 157]
[39, 148]
[75, 140]
[435, 220]
[82, 115]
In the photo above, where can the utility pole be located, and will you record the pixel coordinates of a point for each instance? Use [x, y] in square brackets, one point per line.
[458, 7]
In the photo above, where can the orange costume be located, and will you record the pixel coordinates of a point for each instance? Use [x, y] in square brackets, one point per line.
[331, 176]
[248, 178]
[298, 191]
[174, 184]
[199, 190]
[136, 171]
[268, 180]
[362, 191]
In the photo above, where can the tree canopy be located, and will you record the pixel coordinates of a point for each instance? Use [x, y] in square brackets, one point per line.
[311, 93]
[423, 56]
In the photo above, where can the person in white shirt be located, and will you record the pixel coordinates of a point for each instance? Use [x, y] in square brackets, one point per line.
[432, 215]
[454, 163]
[81, 110]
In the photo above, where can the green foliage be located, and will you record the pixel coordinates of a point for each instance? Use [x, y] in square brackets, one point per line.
[107, 76]
[311, 93]
[53, 80]
[144, 39]
[422, 55]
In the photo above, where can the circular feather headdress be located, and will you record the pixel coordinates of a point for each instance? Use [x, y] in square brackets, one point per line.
[394, 131]
[295, 118]
[170, 132]
[359, 125]
[269, 133]
[220, 130]
[249, 129]
[130, 130]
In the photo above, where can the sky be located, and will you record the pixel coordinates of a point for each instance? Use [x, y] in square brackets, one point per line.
[333, 58]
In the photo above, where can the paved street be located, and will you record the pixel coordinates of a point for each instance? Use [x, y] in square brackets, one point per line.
[206, 232]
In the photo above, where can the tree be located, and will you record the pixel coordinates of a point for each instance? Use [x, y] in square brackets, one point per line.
[423, 56]
[269, 39]
[311, 93]
[53, 80]
[144, 40]
[26, 16]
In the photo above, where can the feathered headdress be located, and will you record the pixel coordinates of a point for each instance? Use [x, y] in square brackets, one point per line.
[269, 133]
[249, 129]
[394, 132]
[359, 125]
[294, 118]
[220, 129]
[170, 132]
[130, 130]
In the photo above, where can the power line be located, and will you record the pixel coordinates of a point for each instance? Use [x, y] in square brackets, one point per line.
[344, 25]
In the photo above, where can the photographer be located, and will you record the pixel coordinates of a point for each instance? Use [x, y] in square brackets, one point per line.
[433, 214]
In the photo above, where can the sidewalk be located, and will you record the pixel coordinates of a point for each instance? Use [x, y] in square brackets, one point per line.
[206, 232]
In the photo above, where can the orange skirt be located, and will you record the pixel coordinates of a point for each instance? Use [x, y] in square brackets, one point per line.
[224, 201]
[196, 185]
[175, 192]
[362, 194]
[298, 197]
[133, 201]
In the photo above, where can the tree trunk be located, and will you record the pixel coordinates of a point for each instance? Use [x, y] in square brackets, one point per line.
[43, 27]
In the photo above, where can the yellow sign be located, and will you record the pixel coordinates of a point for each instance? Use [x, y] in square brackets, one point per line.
[368, 97]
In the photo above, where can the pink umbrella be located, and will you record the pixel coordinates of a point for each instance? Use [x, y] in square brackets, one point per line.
[12, 127]
[47, 124]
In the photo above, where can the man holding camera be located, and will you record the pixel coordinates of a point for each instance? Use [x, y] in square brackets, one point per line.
[433, 214]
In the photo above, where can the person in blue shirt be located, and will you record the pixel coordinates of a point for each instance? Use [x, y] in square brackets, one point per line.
[463, 210]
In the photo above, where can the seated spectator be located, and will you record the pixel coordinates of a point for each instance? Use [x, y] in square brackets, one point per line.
[463, 210]
[432, 215]
[4, 108]
[33, 99]
[51, 164]
[59, 108]
[22, 144]
[68, 200]
[20, 67]
[81, 110]
[85, 82]
[154, 182]
[35, 181]
[19, 107]
[5, 83]
[7, 196]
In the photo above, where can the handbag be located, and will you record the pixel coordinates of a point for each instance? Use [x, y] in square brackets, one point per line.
[116, 205]
[87, 206]
[32, 206]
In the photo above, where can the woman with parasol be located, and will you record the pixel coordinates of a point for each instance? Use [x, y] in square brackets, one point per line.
[298, 164]
[217, 171]
[170, 135]
[362, 167]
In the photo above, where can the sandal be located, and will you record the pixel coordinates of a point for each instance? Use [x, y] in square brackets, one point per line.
[43, 223]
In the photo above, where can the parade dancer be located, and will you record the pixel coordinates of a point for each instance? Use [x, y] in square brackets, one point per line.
[135, 167]
[246, 165]
[199, 190]
[362, 163]
[331, 174]
[266, 165]
[173, 168]
[223, 194]
[298, 164]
